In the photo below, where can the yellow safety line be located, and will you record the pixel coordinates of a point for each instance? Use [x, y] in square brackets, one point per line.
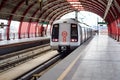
[62, 76]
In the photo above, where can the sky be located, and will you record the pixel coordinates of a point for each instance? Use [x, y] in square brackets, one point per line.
[85, 17]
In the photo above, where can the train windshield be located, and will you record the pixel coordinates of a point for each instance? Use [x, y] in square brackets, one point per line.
[55, 32]
[74, 33]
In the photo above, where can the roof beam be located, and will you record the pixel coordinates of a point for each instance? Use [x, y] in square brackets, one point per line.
[107, 8]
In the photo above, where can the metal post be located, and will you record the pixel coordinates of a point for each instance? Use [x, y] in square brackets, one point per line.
[97, 26]
[76, 15]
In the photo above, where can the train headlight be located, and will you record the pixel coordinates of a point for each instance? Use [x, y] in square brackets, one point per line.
[74, 40]
[55, 40]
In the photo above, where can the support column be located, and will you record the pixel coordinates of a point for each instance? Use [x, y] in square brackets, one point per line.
[35, 31]
[42, 30]
[46, 30]
[19, 31]
[8, 30]
[28, 32]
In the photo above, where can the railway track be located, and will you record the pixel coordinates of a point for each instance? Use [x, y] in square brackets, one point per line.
[21, 65]
[35, 73]
[31, 69]
[38, 71]
[17, 58]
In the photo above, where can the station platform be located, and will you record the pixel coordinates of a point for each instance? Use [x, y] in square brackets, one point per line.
[14, 41]
[9, 46]
[96, 59]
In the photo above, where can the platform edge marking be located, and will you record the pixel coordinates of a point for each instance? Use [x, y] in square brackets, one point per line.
[62, 76]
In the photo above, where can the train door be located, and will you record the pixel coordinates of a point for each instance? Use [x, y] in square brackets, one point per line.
[64, 34]
[85, 31]
[80, 34]
[83, 34]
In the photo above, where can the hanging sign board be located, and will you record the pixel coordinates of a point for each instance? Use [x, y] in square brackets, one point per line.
[102, 23]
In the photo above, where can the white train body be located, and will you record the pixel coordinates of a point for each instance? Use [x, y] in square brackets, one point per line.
[67, 34]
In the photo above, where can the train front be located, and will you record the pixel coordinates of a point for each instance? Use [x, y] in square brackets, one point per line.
[64, 35]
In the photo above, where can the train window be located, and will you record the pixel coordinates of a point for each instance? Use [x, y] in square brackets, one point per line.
[55, 33]
[74, 33]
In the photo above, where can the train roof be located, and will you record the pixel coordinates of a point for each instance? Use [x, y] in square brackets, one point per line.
[71, 20]
[68, 20]
[84, 25]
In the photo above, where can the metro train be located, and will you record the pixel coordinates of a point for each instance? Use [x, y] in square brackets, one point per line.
[68, 34]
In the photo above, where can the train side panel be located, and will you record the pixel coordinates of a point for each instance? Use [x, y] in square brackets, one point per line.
[83, 34]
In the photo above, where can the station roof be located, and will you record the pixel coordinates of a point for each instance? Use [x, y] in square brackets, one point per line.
[50, 10]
